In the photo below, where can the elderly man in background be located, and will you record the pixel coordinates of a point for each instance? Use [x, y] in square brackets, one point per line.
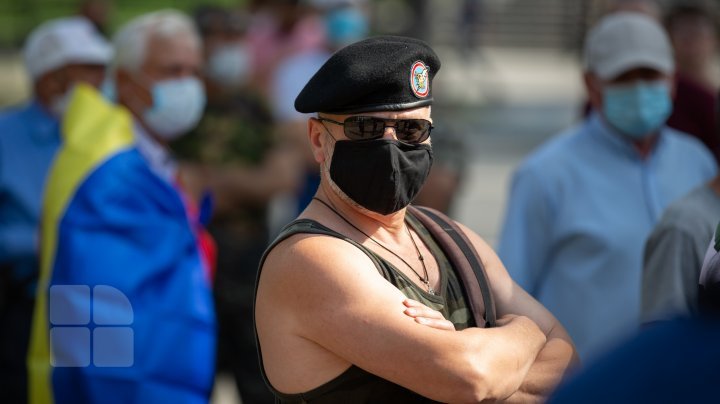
[124, 255]
[233, 153]
[582, 206]
[57, 55]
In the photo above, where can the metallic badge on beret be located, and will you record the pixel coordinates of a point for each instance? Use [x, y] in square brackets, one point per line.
[419, 81]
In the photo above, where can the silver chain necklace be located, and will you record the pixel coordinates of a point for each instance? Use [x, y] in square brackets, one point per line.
[424, 279]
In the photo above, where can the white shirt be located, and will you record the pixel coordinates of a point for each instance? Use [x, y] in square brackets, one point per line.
[159, 158]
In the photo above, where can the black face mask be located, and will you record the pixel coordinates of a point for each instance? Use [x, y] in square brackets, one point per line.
[381, 175]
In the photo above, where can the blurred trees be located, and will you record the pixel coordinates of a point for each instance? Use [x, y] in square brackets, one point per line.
[19, 17]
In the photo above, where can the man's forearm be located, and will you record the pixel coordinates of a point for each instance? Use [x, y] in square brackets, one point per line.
[513, 352]
[557, 356]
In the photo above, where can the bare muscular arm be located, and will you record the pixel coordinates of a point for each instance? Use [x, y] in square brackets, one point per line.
[327, 292]
[555, 357]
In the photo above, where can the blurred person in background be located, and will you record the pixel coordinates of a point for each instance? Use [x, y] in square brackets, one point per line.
[692, 29]
[447, 173]
[470, 23]
[116, 220]
[344, 22]
[693, 34]
[692, 26]
[668, 362]
[674, 361]
[57, 55]
[709, 281]
[674, 253]
[98, 13]
[278, 29]
[233, 153]
[651, 8]
[581, 207]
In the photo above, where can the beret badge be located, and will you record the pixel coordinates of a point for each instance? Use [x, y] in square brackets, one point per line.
[419, 79]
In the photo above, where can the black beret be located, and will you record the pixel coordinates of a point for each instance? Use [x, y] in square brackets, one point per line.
[376, 74]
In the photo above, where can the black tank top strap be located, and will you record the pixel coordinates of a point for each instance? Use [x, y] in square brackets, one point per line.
[309, 226]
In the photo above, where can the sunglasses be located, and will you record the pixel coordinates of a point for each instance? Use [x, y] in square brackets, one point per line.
[370, 127]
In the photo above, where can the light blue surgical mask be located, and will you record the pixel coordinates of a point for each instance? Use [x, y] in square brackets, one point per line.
[637, 110]
[229, 65]
[178, 105]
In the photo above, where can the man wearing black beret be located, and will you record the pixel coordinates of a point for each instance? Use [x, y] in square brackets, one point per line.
[356, 301]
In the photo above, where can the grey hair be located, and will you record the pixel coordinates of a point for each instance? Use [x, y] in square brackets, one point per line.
[131, 40]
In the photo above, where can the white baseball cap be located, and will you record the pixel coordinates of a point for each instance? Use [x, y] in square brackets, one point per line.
[64, 41]
[624, 41]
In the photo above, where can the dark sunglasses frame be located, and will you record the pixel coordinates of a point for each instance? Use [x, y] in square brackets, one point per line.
[361, 127]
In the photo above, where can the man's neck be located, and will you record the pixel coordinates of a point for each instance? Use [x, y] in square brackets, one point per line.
[148, 132]
[645, 146]
[386, 228]
[156, 153]
[142, 126]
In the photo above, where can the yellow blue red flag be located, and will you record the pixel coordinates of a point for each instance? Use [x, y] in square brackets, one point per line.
[124, 311]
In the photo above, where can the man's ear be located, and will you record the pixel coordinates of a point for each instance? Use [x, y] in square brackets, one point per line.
[130, 93]
[123, 85]
[50, 85]
[318, 138]
[593, 86]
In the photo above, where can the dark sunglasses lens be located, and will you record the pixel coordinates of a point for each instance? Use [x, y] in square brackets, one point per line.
[367, 127]
[364, 127]
[413, 130]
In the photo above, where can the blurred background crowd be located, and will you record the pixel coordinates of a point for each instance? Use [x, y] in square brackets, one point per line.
[511, 79]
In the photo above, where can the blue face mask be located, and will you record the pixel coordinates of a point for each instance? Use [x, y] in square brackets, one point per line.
[178, 105]
[229, 65]
[638, 109]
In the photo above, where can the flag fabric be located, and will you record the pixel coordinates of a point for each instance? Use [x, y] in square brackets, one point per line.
[124, 310]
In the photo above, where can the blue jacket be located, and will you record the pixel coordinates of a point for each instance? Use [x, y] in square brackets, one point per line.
[29, 139]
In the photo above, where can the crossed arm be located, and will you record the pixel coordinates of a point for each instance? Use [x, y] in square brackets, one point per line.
[556, 356]
[327, 292]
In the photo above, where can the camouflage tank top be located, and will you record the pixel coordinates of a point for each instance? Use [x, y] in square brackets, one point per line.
[356, 385]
